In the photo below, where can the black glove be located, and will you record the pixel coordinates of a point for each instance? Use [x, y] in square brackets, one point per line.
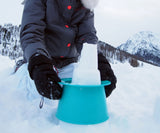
[46, 79]
[106, 73]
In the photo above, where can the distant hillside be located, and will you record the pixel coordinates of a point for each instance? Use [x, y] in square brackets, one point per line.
[144, 44]
[113, 55]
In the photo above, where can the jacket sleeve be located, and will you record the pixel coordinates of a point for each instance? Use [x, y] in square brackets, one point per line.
[33, 28]
[87, 31]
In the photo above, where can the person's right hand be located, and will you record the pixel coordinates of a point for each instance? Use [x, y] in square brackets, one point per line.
[45, 77]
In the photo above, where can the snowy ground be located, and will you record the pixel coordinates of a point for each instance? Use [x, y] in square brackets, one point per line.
[134, 107]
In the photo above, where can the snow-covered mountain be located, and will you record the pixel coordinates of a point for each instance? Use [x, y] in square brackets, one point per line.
[144, 44]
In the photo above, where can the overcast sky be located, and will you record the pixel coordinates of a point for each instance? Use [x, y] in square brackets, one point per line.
[10, 11]
[123, 18]
[115, 20]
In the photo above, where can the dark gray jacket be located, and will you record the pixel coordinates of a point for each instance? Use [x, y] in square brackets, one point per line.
[57, 28]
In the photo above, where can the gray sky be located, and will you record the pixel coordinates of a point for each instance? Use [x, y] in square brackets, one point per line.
[115, 20]
[10, 11]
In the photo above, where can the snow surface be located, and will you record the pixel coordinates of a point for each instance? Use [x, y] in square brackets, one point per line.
[134, 107]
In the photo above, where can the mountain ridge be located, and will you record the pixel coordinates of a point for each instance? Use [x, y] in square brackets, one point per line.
[144, 44]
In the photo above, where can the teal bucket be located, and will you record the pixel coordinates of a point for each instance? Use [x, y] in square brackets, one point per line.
[83, 104]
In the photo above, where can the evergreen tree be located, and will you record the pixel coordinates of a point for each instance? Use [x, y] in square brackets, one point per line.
[10, 41]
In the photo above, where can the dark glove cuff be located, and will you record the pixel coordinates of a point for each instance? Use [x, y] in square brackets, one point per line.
[102, 59]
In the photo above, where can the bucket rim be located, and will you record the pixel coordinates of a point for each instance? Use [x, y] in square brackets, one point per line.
[67, 82]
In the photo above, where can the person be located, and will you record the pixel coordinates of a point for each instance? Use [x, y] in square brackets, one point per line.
[52, 35]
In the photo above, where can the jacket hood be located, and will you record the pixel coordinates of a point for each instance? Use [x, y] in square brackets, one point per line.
[90, 4]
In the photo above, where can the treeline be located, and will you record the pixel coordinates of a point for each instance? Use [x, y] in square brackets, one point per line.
[10, 41]
[113, 55]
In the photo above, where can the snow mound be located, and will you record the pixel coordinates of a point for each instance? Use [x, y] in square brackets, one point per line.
[133, 106]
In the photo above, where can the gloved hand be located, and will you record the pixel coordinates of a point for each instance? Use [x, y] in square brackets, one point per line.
[106, 73]
[46, 79]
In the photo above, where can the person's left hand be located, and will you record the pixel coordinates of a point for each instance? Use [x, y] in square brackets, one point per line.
[106, 73]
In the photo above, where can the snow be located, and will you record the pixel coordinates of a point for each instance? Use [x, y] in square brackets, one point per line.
[133, 107]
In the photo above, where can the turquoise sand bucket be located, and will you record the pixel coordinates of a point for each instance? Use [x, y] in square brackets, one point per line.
[83, 104]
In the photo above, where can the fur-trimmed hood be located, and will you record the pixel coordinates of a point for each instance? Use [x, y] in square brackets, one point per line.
[90, 4]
